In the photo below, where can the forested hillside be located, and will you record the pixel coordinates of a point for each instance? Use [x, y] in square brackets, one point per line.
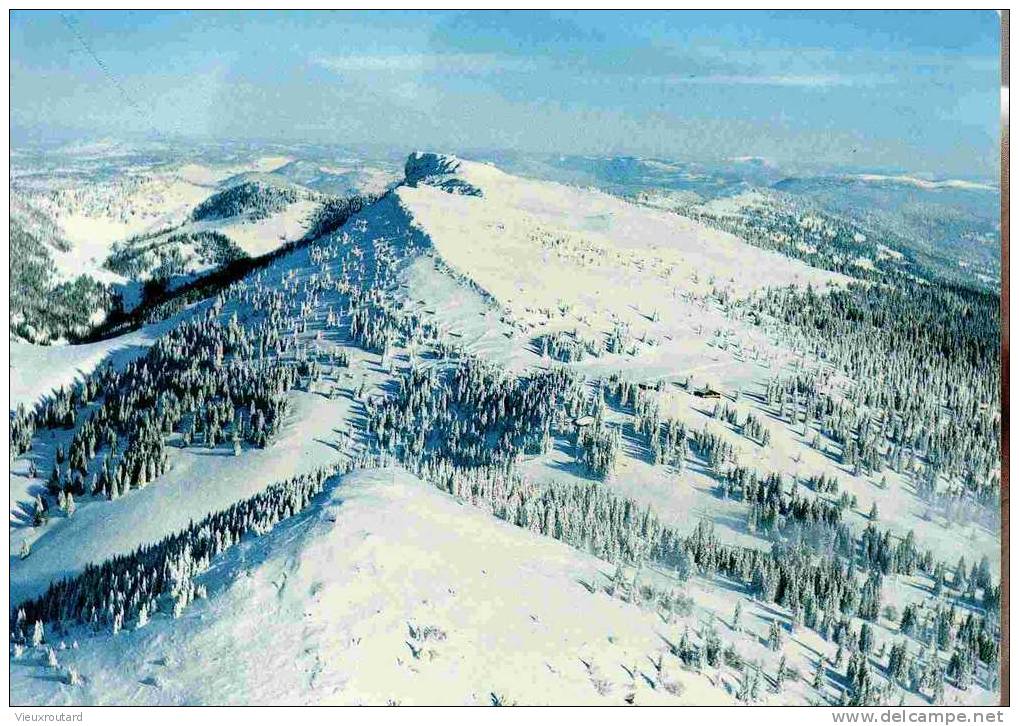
[254, 200]
[45, 307]
[764, 476]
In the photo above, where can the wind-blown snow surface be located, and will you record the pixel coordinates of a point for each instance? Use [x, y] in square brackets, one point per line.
[389, 592]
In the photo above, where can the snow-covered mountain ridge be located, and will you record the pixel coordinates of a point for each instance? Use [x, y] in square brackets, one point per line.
[390, 592]
[618, 409]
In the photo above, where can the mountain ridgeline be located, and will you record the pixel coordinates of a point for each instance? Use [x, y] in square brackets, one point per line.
[779, 468]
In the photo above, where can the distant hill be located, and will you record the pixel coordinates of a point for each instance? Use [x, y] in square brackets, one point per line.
[959, 221]
[339, 179]
[952, 225]
[254, 199]
[44, 306]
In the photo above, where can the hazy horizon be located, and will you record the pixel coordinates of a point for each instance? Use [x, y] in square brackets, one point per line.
[863, 90]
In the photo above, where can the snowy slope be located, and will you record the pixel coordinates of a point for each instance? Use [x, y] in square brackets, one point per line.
[94, 213]
[257, 237]
[554, 257]
[330, 607]
[94, 216]
[35, 370]
[516, 220]
[333, 606]
[199, 481]
[341, 177]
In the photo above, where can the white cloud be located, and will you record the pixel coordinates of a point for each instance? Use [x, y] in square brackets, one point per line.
[927, 183]
[472, 63]
[788, 80]
[804, 81]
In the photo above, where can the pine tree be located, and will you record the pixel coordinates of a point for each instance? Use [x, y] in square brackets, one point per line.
[755, 684]
[908, 623]
[775, 636]
[39, 516]
[818, 682]
[866, 641]
[897, 662]
[960, 582]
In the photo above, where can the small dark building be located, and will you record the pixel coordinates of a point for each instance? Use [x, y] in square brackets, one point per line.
[707, 393]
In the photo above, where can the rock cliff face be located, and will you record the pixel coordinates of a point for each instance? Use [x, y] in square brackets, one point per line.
[437, 170]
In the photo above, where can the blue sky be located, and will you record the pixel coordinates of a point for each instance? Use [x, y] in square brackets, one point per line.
[915, 92]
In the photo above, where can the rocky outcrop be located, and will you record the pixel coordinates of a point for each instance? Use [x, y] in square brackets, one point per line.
[437, 170]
